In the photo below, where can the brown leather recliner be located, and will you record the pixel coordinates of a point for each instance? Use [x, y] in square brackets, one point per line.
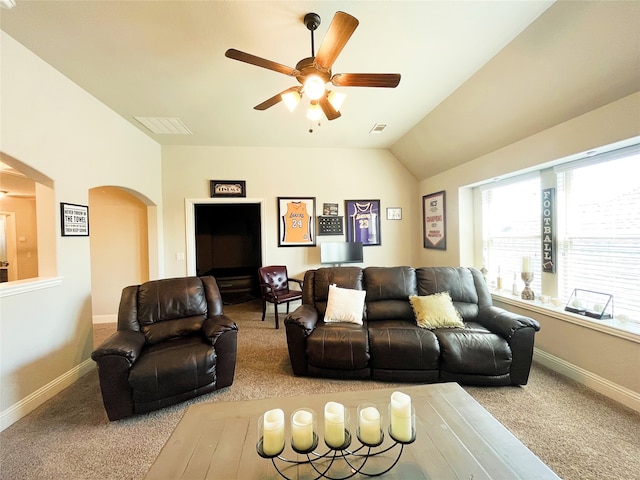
[173, 343]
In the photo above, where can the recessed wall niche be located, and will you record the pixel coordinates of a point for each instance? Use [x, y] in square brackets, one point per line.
[228, 246]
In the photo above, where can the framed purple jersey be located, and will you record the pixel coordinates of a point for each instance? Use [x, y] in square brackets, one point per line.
[363, 221]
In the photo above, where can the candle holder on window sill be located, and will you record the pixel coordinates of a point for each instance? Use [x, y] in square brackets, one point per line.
[527, 293]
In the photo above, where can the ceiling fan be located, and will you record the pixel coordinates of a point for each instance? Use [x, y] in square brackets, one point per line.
[314, 72]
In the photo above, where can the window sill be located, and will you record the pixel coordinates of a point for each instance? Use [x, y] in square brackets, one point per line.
[29, 285]
[628, 330]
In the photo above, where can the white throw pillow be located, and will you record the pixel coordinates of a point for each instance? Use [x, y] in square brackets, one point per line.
[435, 311]
[344, 305]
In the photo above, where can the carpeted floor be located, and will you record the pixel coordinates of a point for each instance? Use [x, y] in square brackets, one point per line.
[577, 432]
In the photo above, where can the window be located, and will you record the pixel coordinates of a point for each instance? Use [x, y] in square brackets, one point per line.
[599, 228]
[511, 229]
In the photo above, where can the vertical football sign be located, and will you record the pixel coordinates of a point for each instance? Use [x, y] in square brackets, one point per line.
[548, 230]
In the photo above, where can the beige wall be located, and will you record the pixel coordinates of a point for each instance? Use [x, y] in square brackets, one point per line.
[614, 359]
[330, 175]
[26, 234]
[119, 247]
[50, 124]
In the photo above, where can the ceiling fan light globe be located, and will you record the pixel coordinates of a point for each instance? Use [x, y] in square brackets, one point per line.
[291, 100]
[314, 113]
[336, 99]
[314, 87]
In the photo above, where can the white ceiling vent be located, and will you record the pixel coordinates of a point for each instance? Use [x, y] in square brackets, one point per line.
[164, 125]
[378, 128]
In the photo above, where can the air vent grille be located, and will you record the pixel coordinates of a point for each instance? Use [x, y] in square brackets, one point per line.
[164, 125]
[378, 128]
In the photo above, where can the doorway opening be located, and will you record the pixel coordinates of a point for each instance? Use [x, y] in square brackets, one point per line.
[228, 246]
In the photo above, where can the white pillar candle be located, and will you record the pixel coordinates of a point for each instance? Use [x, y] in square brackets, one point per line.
[334, 424]
[302, 430]
[526, 264]
[401, 416]
[369, 423]
[273, 432]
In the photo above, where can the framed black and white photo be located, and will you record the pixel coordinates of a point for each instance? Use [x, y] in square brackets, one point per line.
[363, 221]
[74, 220]
[296, 221]
[434, 220]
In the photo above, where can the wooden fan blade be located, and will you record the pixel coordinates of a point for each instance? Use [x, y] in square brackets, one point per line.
[274, 100]
[342, 27]
[384, 80]
[260, 62]
[330, 112]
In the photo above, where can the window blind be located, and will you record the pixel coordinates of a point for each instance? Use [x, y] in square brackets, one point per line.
[511, 229]
[598, 206]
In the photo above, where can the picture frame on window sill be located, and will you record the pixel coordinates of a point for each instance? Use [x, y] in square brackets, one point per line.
[296, 221]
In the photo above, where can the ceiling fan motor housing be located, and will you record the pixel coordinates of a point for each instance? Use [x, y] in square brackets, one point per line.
[312, 21]
[307, 67]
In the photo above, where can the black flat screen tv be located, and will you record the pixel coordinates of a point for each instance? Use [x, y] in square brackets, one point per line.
[341, 252]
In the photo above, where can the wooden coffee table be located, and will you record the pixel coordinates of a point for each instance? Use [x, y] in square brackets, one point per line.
[456, 438]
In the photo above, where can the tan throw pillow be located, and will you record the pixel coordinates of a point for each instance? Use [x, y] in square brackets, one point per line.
[435, 311]
[344, 305]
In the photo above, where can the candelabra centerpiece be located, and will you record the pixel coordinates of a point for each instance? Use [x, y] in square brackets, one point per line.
[337, 437]
[527, 278]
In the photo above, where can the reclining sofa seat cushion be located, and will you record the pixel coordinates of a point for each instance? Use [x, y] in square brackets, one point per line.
[337, 349]
[399, 350]
[472, 354]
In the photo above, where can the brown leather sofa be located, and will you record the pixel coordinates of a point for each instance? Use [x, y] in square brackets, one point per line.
[173, 342]
[495, 347]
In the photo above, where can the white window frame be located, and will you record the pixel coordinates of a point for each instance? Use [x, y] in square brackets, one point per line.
[624, 327]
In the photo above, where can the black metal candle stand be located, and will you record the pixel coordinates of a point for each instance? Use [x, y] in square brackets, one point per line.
[336, 454]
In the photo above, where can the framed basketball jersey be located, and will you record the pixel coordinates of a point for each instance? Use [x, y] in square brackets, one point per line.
[363, 221]
[296, 221]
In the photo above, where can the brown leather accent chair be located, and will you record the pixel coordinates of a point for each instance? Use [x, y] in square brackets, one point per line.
[173, 343]
[274, 283]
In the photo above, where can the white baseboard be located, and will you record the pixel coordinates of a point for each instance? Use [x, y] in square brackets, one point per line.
[622, 395]
[113, 318]
[28, 404]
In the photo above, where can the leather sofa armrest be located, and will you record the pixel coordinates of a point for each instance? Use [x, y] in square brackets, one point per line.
[123, 343]
[505, 323]
[222, 332]
[214, 327]
[305, 317]
[519, 331]
[299, 325]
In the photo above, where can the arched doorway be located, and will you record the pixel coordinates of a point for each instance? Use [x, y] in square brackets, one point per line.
[119, 242]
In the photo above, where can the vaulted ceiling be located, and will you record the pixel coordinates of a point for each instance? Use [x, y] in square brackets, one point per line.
[475, 75]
